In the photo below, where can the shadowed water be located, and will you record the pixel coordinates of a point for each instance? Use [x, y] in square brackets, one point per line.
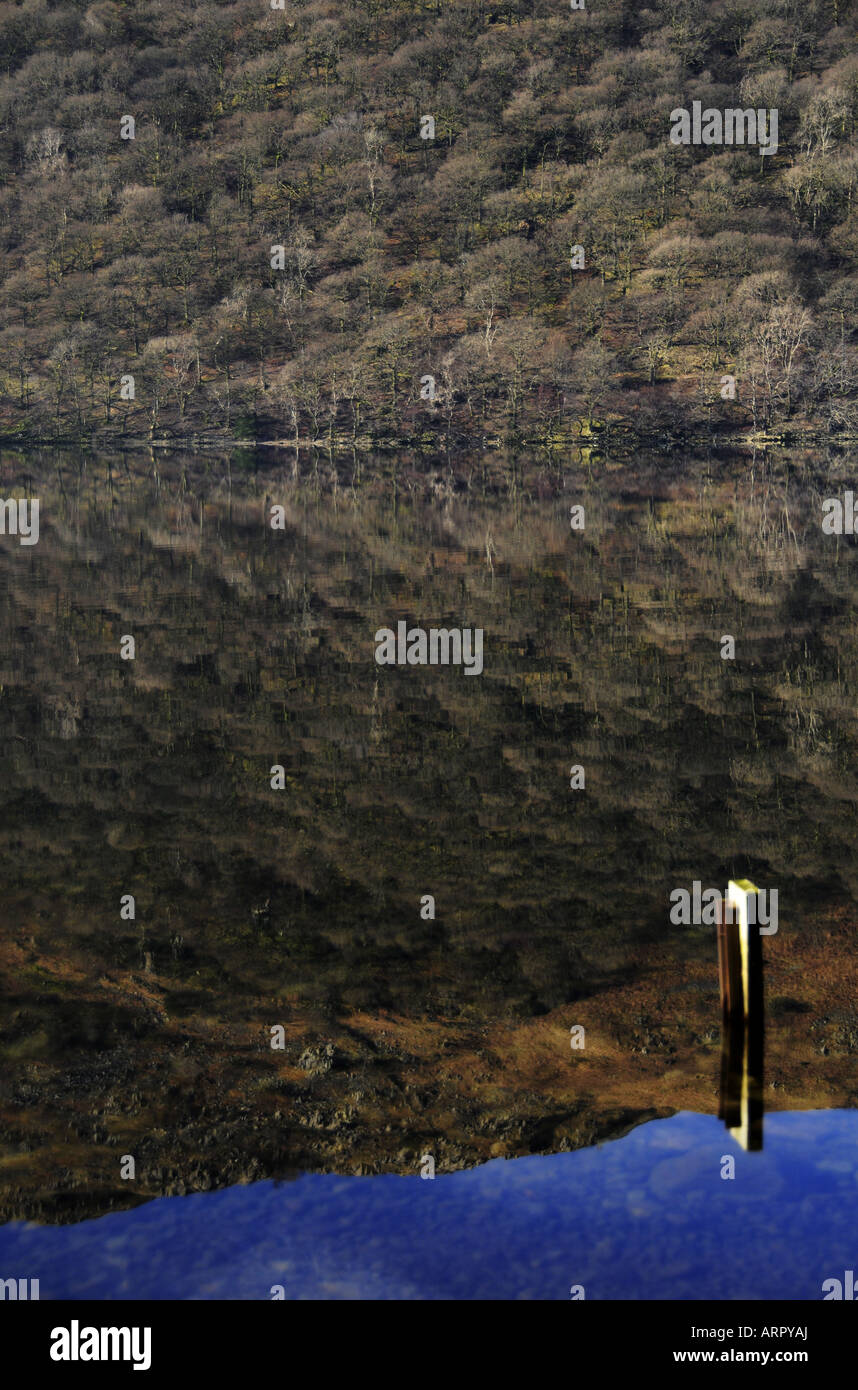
[298, 908]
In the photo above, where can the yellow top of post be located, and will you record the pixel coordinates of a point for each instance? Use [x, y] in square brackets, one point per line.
[738, 892]
[744, 884]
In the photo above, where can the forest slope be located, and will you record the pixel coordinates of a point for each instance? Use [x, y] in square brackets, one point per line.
[406, 258]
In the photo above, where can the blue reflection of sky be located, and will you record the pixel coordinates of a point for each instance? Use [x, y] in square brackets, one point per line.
[647, 1216]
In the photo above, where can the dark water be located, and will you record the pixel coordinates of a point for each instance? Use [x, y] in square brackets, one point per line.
[648, 1216]
[300, 907]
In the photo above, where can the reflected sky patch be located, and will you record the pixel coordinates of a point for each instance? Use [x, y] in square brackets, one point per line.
[646, 1216]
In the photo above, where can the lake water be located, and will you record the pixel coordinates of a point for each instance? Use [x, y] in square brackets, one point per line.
[271, 907]
[647, 1216]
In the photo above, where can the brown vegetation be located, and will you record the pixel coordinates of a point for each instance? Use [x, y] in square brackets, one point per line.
[405, 257]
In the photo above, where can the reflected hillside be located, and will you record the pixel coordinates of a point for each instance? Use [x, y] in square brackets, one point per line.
[301, 907]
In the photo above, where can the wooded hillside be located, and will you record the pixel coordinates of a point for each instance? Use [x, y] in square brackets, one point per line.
[407, 258]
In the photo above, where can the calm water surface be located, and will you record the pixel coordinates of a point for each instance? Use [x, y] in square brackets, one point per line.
[647, 1216]
[300, 906]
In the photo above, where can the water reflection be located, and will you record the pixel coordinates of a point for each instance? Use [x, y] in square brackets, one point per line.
[649, 1216]
[298, 906]
[741, 1094]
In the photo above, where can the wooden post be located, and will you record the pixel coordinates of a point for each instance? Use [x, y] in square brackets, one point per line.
[750, 961]
[729, 961]
[740, 972]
